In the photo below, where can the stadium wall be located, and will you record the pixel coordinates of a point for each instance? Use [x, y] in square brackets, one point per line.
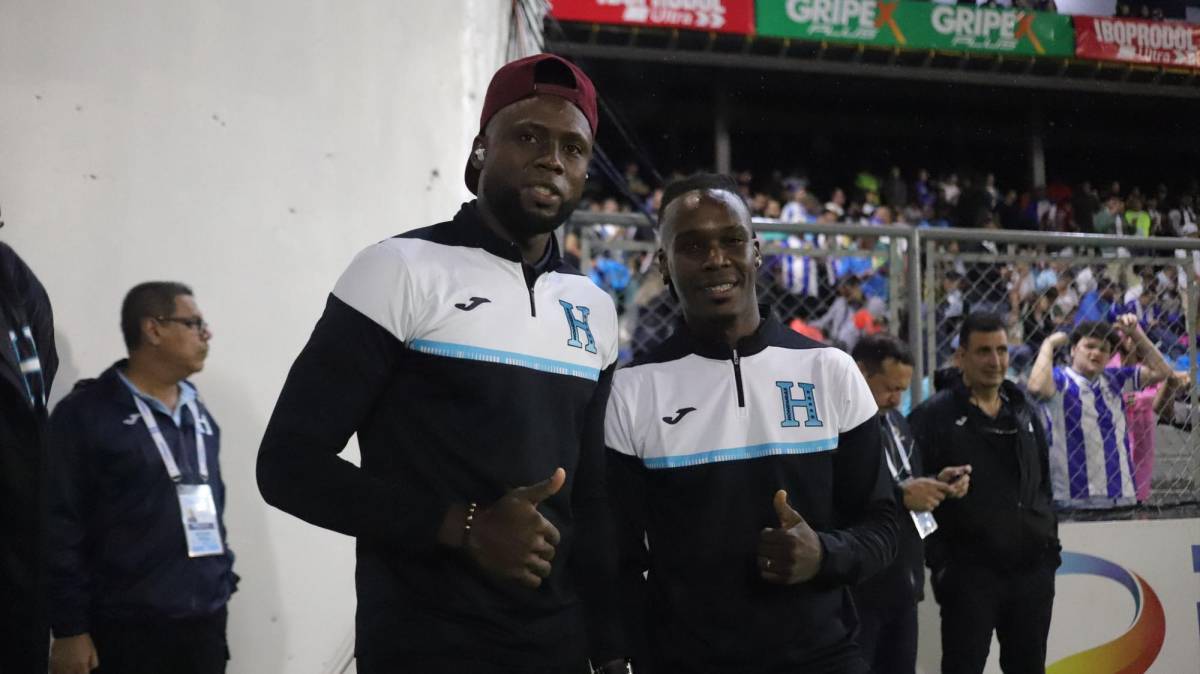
[248, 149]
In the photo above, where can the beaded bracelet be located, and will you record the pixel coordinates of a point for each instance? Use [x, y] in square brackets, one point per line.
[467, 524]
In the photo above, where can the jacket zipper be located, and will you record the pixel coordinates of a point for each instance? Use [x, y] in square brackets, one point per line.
[737, 378]
[530, 281]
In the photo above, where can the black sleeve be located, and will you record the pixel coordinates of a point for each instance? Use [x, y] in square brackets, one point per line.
[627, 490]
[864, 500]
[593, 561]
[918, 420]
[35, 304]
[330, 391]
[71, 495]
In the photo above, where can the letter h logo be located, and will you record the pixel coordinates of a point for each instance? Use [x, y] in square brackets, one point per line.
[807, 401]
[577, 324]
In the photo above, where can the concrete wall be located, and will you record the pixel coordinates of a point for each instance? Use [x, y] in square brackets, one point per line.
[248, 148]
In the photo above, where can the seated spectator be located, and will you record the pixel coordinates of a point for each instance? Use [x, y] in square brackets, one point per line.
[1181, 219]
[1096, 304]
[613, 276]
[838, 323]
[1091, 463]
[1040, 321]
[837, 203]
[1166, 323]
[1108, 220]
[1137, 218]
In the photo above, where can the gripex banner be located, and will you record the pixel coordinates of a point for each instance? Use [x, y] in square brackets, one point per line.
[1172, 43]
[918, 25]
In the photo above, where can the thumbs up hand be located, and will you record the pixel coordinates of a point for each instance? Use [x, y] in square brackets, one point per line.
[792, 552]
[510, 540]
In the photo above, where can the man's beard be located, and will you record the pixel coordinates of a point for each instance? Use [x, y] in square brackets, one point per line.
[505, 205]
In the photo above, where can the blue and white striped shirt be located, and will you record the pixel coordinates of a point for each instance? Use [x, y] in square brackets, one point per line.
[1091, 465]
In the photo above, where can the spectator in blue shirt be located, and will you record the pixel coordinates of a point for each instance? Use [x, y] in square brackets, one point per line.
[1096, 305]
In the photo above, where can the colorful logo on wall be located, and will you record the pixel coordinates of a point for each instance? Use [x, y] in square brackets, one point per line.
[1135, 650]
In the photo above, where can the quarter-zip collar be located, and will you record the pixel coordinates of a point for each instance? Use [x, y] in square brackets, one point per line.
[469, 230]
[768, 332]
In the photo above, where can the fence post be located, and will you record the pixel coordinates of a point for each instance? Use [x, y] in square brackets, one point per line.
[913, 293]
[895, 283]
[930, 298]
[1189, 319]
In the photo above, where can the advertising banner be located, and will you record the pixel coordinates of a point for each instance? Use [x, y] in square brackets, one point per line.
[918, 25]
[1126, 598]
[725, 16]
[1171, 43]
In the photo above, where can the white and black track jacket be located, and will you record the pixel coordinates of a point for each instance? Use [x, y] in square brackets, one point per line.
[700, 438]
[465, 373]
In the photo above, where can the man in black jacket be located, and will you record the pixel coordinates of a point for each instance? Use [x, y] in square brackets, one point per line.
[27, 369]
[996, 550]
[744, 467]
[139, 571]
[887, 602]
[474, 366]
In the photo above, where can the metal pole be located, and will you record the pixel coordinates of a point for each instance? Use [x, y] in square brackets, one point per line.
[895, 282]
[1037, 149]
[585, 252]
[721, 144]
[930, 296]
[1189, 318]
[913, 293]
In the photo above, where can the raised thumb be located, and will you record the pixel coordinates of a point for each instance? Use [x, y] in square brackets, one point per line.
[788, 517]
[536, 493]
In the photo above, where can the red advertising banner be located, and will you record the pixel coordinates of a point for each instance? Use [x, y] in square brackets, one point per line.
[724, 16]
[1168, 43]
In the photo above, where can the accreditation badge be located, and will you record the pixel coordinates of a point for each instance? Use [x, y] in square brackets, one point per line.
[925, 523]
[199, 512]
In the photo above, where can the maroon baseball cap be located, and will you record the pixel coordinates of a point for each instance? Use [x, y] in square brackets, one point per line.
[530, 76]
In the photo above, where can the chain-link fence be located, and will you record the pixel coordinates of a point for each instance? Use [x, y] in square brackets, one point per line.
[1122, 443]
[1098, 332]
[834, 283]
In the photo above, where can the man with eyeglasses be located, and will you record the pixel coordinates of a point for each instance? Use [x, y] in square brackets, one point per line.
[27, 366]
[139, 570]
[996, 550]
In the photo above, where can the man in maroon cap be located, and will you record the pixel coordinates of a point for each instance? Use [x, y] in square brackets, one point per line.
[474, 365]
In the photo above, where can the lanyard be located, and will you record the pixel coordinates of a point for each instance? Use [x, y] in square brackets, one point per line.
[899, 450]
[164, 451]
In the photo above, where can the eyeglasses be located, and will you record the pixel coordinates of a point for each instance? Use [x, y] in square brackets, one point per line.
[195, 322]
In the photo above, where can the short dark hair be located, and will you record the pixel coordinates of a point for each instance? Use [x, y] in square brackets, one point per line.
[872, 350]
[698, 181]
[978, 322]
[153, 299]
[1097, 329]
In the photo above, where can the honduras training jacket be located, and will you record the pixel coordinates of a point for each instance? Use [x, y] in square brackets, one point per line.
[700, 438]
[465, 373]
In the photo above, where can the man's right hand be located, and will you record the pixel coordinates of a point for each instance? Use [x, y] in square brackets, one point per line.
[923, 494]
[73, 655]
[511, 540]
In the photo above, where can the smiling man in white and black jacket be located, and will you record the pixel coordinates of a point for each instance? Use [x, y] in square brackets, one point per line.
[745, 469]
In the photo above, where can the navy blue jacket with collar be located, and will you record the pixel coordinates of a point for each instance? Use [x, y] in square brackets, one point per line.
[464, 372]
[118, 552]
